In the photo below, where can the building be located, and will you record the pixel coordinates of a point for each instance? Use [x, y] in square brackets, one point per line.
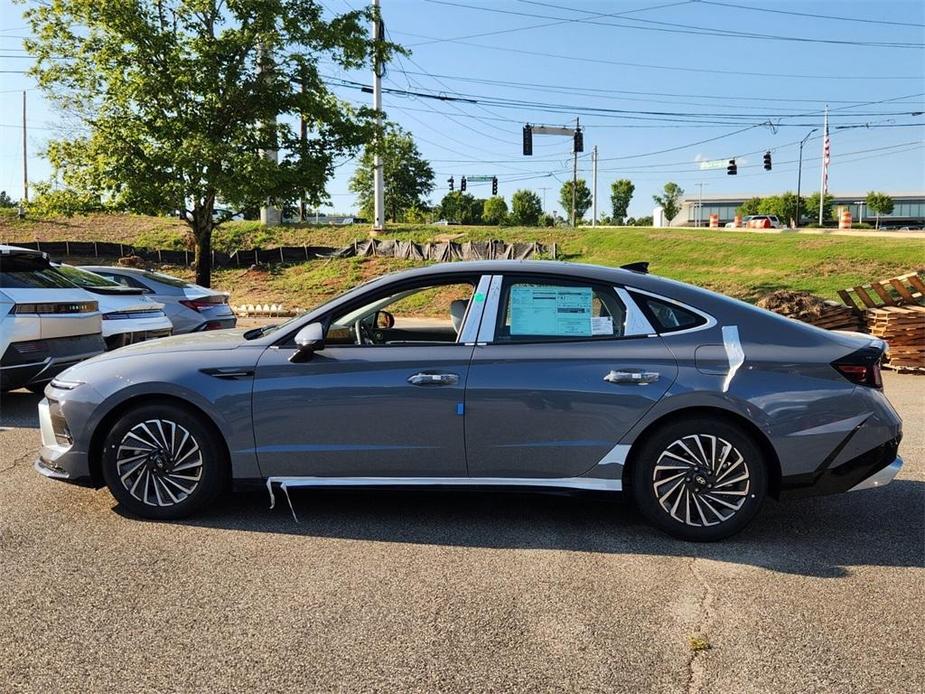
[908, 209]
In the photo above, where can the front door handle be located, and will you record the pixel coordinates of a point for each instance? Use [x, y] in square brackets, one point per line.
[637, 377]
[433, 379]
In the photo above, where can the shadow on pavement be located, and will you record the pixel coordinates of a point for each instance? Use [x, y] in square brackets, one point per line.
[821, 537]
[19, 409]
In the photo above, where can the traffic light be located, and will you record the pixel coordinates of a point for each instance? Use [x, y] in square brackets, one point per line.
[494, 185]
[732, 169]
[767, 161]
[528, 141]
[579, 141]
[462, 184]
[450, 181]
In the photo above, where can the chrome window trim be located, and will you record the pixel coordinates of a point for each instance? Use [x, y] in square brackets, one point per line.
[710, 320]
[490, 312]
[473, 318]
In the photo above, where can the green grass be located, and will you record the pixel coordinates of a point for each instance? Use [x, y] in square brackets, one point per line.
[740, 263]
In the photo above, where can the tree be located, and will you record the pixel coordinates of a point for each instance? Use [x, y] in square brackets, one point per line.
[784, 206]
[461, 208]
[495, 210]
[582, 199]
[879, 203]
[6, 200]
[526, 208]
[48, 201]
[409, 179]
[750, 206]
[643, 221]
[812, 208]
[178, 102]
[670, 201]
[621, 192]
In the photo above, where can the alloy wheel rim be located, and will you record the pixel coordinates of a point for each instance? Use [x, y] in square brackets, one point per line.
[701, 480]
[159, 462]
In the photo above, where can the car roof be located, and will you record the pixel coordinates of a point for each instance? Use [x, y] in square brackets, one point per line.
[17, 250]
[112, 268]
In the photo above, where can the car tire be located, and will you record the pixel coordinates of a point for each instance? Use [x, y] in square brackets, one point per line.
[162, 461]
[700, 479]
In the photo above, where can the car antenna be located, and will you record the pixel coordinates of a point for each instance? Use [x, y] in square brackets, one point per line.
[640, 266]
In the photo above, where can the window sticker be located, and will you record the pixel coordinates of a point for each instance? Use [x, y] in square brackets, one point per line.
[559, 311]
[602, 325]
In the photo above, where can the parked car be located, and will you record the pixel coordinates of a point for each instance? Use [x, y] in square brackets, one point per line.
[46, 323]
[763, 221]
[189, 307]
[532, 375]
[128, 316]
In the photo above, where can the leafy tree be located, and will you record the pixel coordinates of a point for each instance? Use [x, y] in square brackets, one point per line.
[526, 208]
[178, 101]
[621, 192]
[784, 206]
[812, 208]
[495, 210]
[6, 200]
[461, 208]
[409, 179]
[643, 221]
[582, 198]
[49, 201]
[879, 203]
[670, 201]
[750, 206]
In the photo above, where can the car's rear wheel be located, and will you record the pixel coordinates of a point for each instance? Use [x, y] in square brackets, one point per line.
[161, 461]
[700, 479]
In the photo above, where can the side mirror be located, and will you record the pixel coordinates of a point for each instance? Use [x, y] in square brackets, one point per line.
[308, 340]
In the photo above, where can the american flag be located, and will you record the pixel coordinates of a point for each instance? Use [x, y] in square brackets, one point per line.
[825, 156]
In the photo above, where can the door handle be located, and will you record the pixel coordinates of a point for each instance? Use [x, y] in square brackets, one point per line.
[638, 377]
[433, 379]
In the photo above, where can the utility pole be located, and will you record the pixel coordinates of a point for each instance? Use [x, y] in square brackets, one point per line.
[594, 186]
[544, 189]
[25, 163]
[574, 174]
[269, 214]
[800, 173]
[378, 172]
[823, 187]
[303, 140]
[700, 207]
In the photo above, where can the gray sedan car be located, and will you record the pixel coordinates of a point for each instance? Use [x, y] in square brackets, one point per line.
[489, 374]
[190, 307]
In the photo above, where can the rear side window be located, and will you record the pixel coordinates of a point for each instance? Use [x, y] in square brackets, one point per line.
[538, 311]
[165, 279]
[30, 272]
[667, 317]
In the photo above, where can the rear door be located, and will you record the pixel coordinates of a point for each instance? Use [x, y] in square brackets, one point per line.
[562, 370]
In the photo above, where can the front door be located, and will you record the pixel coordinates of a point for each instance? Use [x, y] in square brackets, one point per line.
[383, 398]
[558, 378]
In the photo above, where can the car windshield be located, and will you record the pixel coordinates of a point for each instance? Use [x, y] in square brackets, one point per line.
[30, 272]
[83, 278]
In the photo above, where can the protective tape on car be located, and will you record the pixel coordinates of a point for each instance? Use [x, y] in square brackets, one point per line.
[284, 487]
[616, 455]
[734, 353]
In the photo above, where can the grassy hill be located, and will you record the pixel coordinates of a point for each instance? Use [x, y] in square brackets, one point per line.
[740, 263]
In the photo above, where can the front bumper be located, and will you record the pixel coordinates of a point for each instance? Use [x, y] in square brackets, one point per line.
[58, 457]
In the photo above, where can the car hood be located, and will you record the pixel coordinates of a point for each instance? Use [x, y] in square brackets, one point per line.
[192, 342]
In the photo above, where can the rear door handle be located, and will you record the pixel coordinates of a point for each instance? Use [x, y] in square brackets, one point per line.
[637, 377]
[423, 379]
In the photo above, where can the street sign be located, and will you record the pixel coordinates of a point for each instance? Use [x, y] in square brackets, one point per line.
[716, 164]
[479, 179]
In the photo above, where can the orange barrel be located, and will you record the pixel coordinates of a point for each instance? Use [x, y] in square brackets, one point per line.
[738, 221]
[844, 220]
[714, 221]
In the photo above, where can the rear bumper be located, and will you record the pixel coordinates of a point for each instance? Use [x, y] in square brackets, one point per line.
[62, 353]
[874, 468]
[881, 478]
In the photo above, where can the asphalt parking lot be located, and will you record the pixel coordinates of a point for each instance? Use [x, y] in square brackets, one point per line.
[457, 592]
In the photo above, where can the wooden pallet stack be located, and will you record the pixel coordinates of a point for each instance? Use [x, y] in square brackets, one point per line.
[837, 317]
[895, 312]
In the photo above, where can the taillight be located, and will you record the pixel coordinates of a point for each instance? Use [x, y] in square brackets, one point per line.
[52, 308]
[862, 374]
[203, 303]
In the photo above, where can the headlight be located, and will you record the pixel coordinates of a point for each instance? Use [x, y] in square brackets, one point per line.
[65, 384]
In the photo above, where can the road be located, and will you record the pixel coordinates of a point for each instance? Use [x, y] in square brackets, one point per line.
[457, 591]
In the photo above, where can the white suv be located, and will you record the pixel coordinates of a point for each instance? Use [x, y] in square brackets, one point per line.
[46, 323]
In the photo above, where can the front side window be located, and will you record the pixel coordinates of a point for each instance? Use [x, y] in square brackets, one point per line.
[429, 314]
[536, 311]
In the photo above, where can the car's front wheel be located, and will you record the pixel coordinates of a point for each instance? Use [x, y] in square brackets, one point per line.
[161, 461]
[699, 479]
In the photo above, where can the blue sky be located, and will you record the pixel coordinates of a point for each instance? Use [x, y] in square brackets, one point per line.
[772, 90]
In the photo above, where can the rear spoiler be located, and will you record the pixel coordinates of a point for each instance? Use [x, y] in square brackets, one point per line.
[640, 266]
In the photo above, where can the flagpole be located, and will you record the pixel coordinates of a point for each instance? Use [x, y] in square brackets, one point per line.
[823, 185]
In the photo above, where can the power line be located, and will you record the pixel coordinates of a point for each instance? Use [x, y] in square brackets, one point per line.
[808, 14]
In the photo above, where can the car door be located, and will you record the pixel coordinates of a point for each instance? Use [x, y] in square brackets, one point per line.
[562, 370]
[365, 410]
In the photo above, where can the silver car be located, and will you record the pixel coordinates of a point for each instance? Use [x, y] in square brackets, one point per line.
[190, 307]
[489, 374]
